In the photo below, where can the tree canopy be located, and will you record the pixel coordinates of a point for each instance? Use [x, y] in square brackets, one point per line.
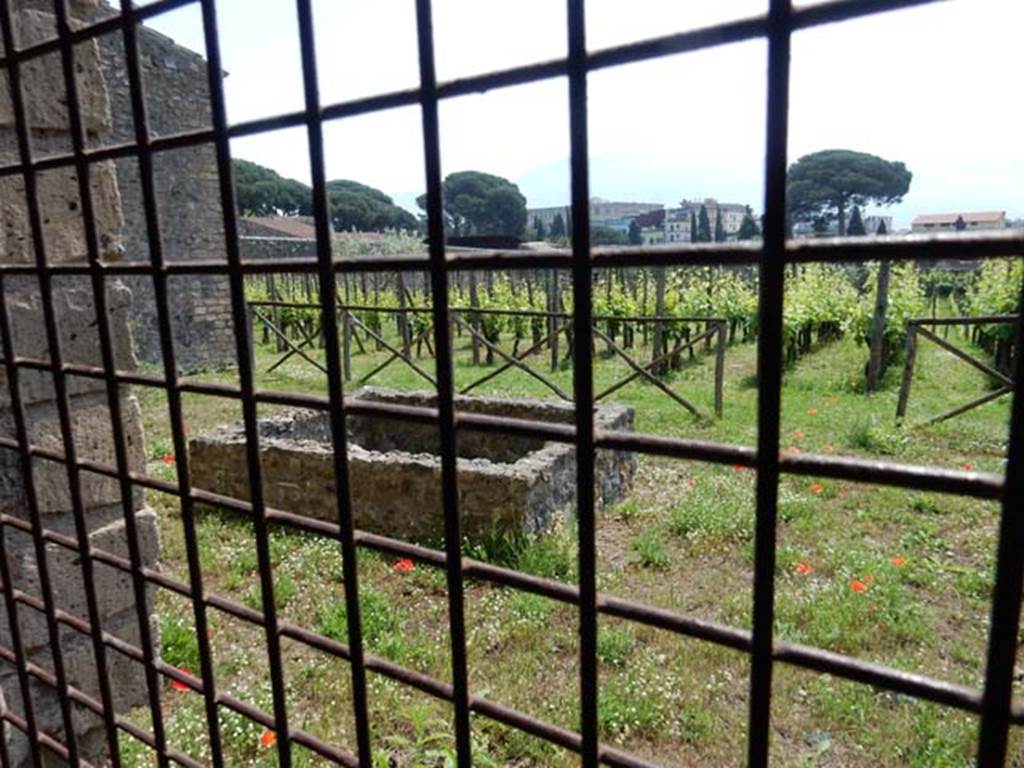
[261, 191]
[477, 203]
[608, 236]
[357, 206]
[821, 186]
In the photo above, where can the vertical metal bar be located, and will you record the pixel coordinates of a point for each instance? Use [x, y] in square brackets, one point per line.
[329, 327]
[243, 351]
[769, 373]
[583, 379]
[99, 291]
[5, 570]
[1009, 585]
[172, 386]
[445, 384]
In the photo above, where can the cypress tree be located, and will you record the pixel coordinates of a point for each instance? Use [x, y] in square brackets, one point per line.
[703, 226]
[856, 225]
[693, 227]
[557, 227]
[719, 229]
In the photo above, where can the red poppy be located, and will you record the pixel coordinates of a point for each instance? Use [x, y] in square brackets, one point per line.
[168, 458]
[691, 482]
[968, 466]
[858, 586]
[738, 467]
[179, 686]
[268, 739]
[798, 435]
[869, 579]
[816, 488]
[803, 568]
[404, 565]
[812, 411]
[899, 562]
[209, 633]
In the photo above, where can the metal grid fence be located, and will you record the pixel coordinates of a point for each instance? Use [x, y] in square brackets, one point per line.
[994, 703]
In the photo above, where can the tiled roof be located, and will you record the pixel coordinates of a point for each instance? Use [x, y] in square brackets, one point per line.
[284, 226]
[950, 218]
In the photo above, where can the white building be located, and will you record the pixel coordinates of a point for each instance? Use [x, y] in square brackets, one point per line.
[677, 226]
[953, 222]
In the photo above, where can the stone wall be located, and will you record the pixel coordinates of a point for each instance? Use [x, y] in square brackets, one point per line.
[188, 198]
[505, 484]
[103, 508]
[255, 247]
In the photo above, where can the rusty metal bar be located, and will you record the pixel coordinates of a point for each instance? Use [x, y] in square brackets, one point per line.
[445, 382]
[329, 323]
[218, 111]
[769, 378]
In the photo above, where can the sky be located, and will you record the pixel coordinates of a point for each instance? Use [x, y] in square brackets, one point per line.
[936, 87]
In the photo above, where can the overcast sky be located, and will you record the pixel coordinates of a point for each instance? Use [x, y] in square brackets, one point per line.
[937, 87]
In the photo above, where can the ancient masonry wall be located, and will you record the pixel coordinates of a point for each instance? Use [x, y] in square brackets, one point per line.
[255, 247]
[101, 505]
[188, 199]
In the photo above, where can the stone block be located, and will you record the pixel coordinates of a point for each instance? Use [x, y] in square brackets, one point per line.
[505, 484]
[79, 338]
[42, 80]
[114, 589]
[61, 215]
[94, 441]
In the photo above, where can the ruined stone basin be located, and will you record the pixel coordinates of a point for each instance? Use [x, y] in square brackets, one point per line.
[505, 483]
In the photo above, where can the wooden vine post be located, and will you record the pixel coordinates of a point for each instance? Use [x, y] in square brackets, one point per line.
[876, 361]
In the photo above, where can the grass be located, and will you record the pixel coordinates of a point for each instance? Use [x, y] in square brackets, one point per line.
[683, 541]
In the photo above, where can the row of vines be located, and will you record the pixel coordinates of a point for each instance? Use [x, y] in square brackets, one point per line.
[822, 303]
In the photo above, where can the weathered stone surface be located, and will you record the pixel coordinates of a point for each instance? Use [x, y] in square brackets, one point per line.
[127, 683]
[504, 483]
[61, 212]
[114, 589]
[75, 317]
[42, 80]
[102, 506]
[94, 441]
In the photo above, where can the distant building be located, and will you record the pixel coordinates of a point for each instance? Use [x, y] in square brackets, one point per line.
[652, 227]
[603, 213]
[677, 226]
[732, 213]
[953, 222]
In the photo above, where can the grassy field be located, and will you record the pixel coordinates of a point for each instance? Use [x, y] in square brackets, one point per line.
[893, 576]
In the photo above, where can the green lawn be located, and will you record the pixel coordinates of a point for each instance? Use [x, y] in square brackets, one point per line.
[683, 540]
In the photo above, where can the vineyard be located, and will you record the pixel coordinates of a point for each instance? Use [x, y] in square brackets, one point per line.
[880, 573]
[655, 314]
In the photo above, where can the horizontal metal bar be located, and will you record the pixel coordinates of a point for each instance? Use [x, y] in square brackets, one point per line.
[973, 247]
[800, 656]
[972, 484]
